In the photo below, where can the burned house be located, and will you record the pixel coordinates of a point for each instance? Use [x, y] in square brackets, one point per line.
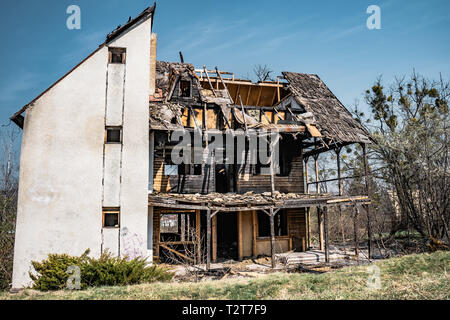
[236, 209]
[100, 159]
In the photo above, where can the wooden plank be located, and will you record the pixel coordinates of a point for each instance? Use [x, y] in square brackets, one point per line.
[313, 130]
[240, 251]
[254, 231]
[198, 234]
[208, 239]
[214, 238]
[176, 252]
[211, 119]
[320, 227]
[325, 224]
[272, 238]
[185, 117]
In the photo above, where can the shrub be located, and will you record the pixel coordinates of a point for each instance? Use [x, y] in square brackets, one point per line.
[107, 270]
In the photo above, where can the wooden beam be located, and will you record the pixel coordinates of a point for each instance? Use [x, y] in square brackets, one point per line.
[306, 175]
[308, 211]
[355, 231]
[254, 231]
[272, 238]
[259, 96]
[325, 223]
[224, 85]
[316, 169]
[208, 239]
[237, 92]
[176, 252]
[367, 206]
[240, 248]
[214, 238]
[320, 227]
[248, 95]
[197, 235]
[278, 89]
[209, 81]
[243, 114]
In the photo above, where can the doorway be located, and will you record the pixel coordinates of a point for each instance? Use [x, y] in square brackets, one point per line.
[227, 235]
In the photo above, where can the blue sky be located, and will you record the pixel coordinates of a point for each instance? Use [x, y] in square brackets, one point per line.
[328, 38]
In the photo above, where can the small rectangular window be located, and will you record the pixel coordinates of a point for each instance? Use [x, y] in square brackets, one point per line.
[114, 135]
[117, 55]
[185, 88]
[111, 218]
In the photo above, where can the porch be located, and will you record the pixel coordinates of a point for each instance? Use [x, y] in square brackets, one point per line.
[205, 212]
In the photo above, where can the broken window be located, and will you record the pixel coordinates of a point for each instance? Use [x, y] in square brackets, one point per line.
[287, 154]
[169, 223]
[188, 169]
[185, 88]
[111, 217]
[114, 135]
[280, 224]
[117, 55]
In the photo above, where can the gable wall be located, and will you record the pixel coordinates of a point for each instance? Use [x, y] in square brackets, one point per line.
[63, 169]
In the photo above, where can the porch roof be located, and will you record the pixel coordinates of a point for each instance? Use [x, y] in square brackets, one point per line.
[250, 201]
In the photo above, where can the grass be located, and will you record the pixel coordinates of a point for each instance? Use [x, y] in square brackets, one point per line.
[419, 276]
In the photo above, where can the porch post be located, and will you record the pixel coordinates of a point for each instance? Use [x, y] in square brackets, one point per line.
[341, 192]
[272, 238]
[208, 239]
[355, 230]
[320, 226]
[198, 236]
[325, 221]
[367, 206]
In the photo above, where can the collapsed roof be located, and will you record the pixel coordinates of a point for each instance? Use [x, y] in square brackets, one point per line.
[321, 112]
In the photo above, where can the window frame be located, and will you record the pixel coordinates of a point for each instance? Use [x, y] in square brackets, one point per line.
[116, 50]
[106, 211]
[114, 128]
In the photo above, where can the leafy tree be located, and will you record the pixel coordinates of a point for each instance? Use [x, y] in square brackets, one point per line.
[410, 123]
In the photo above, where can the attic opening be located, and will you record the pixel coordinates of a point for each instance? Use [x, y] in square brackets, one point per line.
[262, 94]
[185, 89]
[117, 55]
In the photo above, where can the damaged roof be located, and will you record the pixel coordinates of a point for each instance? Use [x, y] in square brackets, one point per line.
[324, 113]
[333, 120]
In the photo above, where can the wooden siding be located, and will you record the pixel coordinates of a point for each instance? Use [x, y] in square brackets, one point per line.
[261, 183]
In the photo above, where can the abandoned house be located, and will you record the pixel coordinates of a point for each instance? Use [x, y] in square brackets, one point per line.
[97, 171]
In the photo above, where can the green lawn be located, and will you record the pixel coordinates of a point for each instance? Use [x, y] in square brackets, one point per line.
[421, 276]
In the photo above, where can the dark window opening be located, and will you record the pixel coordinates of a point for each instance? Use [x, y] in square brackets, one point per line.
[117, 55]
[280, 224]
[185, 88]
[113, 135]
[262, 169]
[111, 218]
[189, 169]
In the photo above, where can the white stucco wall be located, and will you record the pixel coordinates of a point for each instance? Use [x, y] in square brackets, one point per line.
[135, 154]
[61, 189]
[60, 186]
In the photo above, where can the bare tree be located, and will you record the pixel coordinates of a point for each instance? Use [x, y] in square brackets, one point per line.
[262, 73]
[8, 202]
